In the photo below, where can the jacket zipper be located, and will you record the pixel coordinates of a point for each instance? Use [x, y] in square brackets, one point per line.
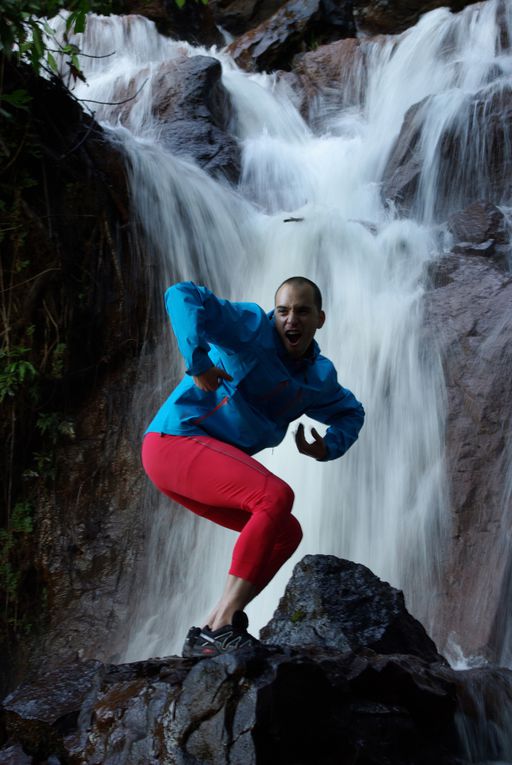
[208, 414]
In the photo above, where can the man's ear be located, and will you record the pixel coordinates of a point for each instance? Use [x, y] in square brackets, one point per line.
[321, 320]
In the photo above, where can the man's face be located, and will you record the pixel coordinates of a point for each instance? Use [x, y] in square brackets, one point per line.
[297, 318]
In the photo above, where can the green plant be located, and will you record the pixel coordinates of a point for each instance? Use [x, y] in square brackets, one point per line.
[25, 32]
[15, 371]
[11, 539]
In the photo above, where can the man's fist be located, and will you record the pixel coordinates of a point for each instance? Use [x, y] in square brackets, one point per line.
[211, 379]
[317, 449]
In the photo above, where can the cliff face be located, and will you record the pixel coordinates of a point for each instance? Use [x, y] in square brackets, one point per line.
[74, 314]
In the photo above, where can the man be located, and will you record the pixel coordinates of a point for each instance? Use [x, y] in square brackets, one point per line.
[249, 375]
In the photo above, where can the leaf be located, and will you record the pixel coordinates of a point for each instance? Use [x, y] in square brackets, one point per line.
[52, 63]
[79, 25]
[180, 3]
[38, 39]
[18, 98]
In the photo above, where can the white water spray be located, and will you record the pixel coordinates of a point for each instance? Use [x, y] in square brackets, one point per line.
[384, 503]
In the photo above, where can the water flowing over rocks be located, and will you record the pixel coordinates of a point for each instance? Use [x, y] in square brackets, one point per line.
[474, 155]
[332, 77]
[195, 109]
[394, 16]
[291, 30]
[274, 704]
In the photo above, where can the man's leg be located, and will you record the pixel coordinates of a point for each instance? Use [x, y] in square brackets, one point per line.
[220, 482]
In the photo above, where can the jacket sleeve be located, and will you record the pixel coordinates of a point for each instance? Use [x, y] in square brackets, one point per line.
[199, 318]
[344, 415]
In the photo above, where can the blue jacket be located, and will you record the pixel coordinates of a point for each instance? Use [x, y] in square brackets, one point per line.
[269, 388]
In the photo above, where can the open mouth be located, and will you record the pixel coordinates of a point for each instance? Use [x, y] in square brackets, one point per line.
[293, 337]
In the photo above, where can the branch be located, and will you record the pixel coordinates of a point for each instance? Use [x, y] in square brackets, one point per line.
[114, 103]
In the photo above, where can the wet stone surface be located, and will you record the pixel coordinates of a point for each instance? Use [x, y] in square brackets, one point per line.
[267, 705]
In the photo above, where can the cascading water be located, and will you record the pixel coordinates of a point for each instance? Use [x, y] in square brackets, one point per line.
[384, 503]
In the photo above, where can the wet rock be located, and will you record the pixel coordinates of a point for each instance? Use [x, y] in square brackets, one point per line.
[238, 16]
[339, 604]
[479, 229]
[473, 154]
[401, 175]
[468, 317]
[85, 297]
[276, 706]
[194, 22]
[195, 110]
[41, 714]
[332, 77]
[394, 16]
[14, 755]
[294, 28]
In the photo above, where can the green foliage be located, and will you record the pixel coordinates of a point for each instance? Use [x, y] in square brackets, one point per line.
[25, 32]
[15, 371]
[12, 539]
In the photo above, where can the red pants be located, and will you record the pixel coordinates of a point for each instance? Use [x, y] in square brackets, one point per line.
[225, 485]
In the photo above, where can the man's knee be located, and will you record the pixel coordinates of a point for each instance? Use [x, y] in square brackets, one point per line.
[295, 533]
[283, 496]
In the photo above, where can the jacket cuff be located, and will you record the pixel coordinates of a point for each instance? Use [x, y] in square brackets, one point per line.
[201, 362]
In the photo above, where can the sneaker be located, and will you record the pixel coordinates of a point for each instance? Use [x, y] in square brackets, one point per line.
[206, 642]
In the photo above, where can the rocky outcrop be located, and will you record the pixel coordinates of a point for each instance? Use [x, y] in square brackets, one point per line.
[468, 316]
[473, 152]
[79, 304]
[479, 229]
[195, 110]
[238, 16]
[394, 16]
[326, 603]
[332, 77]
[193, 22]
[295, 27]
[278, 705]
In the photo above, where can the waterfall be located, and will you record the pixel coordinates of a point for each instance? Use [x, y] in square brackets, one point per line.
[384, 504]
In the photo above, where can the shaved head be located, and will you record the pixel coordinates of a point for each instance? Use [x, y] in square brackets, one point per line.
[302, 281]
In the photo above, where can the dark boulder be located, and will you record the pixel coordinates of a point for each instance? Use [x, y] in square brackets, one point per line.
[42, 713]
[238, 16]
[297, 26]
[260, 705]
[195, 109]
[194, 22]
[335, 603]
[394, 16]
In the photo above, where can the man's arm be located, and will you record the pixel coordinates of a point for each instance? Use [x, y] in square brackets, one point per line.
[199, 318]
[345, 416]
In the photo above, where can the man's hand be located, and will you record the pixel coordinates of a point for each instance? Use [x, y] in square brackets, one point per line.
[211, 379]
[317, 449]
